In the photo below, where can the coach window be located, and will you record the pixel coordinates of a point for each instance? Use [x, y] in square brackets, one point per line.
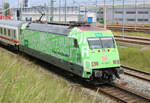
[8, 32]
[4, 31]
[0, 30]
[14, 34]
[11, 33]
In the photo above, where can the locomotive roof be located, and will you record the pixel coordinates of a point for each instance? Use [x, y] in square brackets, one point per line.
[11, 23]
[49, 28]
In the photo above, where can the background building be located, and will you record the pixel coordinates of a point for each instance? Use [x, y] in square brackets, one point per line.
[138, 14]
[23, 3]
[26, 3]
[73, 13]
[133, 15]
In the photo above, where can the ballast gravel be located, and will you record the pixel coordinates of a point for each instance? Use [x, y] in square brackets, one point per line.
[136, 84]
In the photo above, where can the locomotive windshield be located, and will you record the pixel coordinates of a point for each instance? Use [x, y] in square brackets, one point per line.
[95, 43]
[108, 42]
[98, 43]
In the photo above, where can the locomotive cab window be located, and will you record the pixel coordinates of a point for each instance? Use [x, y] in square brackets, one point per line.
[99, 43]
[95, 43]
[108, 42]
[76, 43]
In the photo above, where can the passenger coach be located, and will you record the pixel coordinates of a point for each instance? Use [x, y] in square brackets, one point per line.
[10, 32]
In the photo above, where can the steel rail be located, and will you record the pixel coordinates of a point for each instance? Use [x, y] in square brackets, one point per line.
[136, 73]
[133, 39]
[123, 94]
[145, 29]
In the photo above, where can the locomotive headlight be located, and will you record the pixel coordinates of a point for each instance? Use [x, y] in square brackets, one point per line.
[116, 61]
[94, 64]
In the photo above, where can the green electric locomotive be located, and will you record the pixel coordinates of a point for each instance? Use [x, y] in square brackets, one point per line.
[87, 51]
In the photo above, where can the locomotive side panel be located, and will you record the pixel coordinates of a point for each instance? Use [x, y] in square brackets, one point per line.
[59, 50]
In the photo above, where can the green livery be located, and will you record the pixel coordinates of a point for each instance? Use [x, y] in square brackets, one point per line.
[73, 49]
[87, 51]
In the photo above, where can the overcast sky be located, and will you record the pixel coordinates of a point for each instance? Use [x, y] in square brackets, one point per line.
[14, 3]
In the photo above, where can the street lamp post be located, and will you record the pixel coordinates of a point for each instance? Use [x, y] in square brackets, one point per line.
[105, 22]
[144, 5]
[135, 14]
[123, 17]
[78, 9]
[96, 10]
[52, 10]
[113, 11]
[85, 13]
[65, 11]
[3, 7]
[79, 13]
[59, 10]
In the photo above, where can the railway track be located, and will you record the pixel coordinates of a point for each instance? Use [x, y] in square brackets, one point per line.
[129, 28]
[145, 76]
[133, 39]
[124, 95]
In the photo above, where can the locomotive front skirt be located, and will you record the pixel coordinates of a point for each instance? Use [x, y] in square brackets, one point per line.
[87, 51]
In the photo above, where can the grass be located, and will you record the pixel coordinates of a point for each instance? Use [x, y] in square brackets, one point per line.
[136, 57]
[133, 34]
[25, 82]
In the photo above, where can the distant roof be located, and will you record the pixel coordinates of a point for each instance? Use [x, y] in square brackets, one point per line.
[132, 5]
[50, 28]
[11, 23]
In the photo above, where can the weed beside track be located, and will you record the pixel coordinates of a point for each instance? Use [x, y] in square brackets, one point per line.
[135, 57]
[25, 82]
